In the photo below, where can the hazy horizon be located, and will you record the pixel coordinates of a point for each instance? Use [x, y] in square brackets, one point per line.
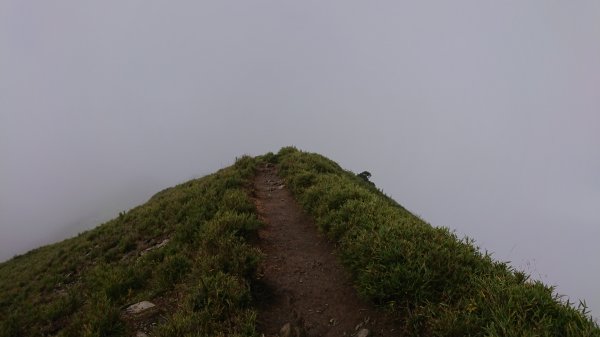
[480, 116]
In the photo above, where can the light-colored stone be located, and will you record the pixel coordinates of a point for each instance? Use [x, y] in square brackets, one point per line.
[163, 242]
[363, 333]
[139, 307]
[286, 330]
[159, 245]
[289, 330]
[140, 334]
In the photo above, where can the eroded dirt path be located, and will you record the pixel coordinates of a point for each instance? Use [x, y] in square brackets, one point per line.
[303, 283]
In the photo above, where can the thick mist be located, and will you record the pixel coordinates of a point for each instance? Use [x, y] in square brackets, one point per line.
[480, 116]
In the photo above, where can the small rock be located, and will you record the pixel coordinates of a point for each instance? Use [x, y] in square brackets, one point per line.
[163, 243]
[363, 323]
[286, 330]
[140, 334]
[159, 245]
[139, 307]
[363, 333]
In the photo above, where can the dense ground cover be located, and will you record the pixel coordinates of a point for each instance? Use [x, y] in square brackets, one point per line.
[441, 284]
[201, 277]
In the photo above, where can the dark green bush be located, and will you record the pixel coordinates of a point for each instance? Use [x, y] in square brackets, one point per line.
[173, 268]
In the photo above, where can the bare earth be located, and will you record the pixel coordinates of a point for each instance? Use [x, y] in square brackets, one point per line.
[302, 282]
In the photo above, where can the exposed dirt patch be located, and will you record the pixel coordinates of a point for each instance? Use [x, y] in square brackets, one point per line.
[303, 283]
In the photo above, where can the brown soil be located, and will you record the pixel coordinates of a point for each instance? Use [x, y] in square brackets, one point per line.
[302, 282]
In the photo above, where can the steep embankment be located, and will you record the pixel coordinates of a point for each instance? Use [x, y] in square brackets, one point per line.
[193, 261]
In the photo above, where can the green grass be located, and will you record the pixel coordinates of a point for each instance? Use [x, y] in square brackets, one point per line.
[436, 283]
[439, 284]
[80, 286]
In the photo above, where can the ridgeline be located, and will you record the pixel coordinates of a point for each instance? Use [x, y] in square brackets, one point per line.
[220, 256]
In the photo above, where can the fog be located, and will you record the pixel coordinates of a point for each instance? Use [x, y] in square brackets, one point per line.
[482, 116]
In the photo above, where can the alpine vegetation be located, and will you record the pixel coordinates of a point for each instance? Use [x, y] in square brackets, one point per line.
[186, 263]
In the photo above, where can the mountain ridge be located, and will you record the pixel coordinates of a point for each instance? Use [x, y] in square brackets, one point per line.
[190, 250]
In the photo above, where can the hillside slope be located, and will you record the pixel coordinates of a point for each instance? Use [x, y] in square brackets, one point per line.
[185, 249]
[192, 251]
[441, 285]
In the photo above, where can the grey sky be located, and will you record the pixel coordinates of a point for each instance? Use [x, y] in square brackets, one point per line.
[483, 116]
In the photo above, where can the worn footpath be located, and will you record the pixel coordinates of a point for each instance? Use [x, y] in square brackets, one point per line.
[304, 289]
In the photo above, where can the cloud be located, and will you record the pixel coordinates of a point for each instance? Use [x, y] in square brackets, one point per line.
[480, 117]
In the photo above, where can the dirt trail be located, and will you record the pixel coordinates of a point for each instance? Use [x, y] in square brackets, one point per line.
[303, 283]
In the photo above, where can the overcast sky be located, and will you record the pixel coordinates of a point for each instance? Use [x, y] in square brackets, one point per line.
[483, 116]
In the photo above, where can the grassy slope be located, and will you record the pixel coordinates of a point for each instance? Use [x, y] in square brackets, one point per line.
[441, 285]
[78, 287]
